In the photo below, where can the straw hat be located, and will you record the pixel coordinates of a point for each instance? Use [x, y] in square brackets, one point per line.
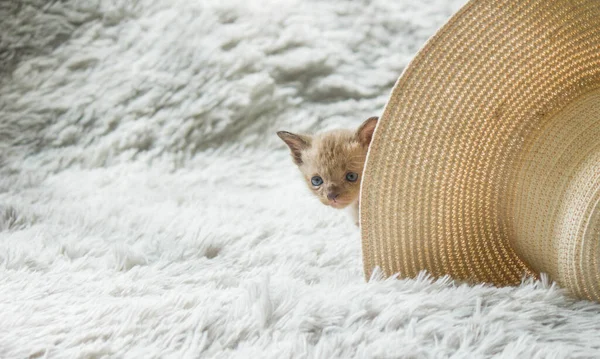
[485, 164]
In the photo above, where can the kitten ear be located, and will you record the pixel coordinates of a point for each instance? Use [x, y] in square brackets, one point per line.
[296, 143]
[365, 131]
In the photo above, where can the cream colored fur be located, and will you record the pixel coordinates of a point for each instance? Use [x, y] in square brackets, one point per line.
[332, 155]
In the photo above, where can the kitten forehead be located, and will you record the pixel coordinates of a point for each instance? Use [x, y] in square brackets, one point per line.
[335, 152]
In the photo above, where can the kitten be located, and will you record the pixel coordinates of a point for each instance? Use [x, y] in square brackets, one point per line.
[332, 163]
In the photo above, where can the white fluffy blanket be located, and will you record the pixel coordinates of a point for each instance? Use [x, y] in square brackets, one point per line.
[147, 208]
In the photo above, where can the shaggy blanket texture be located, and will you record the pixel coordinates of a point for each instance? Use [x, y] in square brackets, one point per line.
[147, 208]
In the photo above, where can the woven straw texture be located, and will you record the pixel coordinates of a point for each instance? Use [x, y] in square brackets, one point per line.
[485, 164]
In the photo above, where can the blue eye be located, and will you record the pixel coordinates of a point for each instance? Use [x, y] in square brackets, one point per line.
[316, 181]
[351, 176]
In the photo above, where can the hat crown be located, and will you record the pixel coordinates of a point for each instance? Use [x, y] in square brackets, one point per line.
[555, 207]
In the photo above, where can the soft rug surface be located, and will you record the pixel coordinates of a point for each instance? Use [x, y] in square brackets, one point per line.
[148, 210]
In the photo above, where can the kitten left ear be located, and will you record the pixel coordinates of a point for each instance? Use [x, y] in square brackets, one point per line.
[365, 131]
[296, 143]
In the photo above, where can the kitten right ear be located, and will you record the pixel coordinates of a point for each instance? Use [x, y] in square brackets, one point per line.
[296, 143]
[365, 131]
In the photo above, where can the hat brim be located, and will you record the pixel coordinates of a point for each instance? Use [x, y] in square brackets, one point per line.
[443, 180]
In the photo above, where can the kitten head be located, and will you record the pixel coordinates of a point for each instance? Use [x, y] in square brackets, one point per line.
[332, 162]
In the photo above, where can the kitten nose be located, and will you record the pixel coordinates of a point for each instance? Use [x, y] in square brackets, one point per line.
[332, 196]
